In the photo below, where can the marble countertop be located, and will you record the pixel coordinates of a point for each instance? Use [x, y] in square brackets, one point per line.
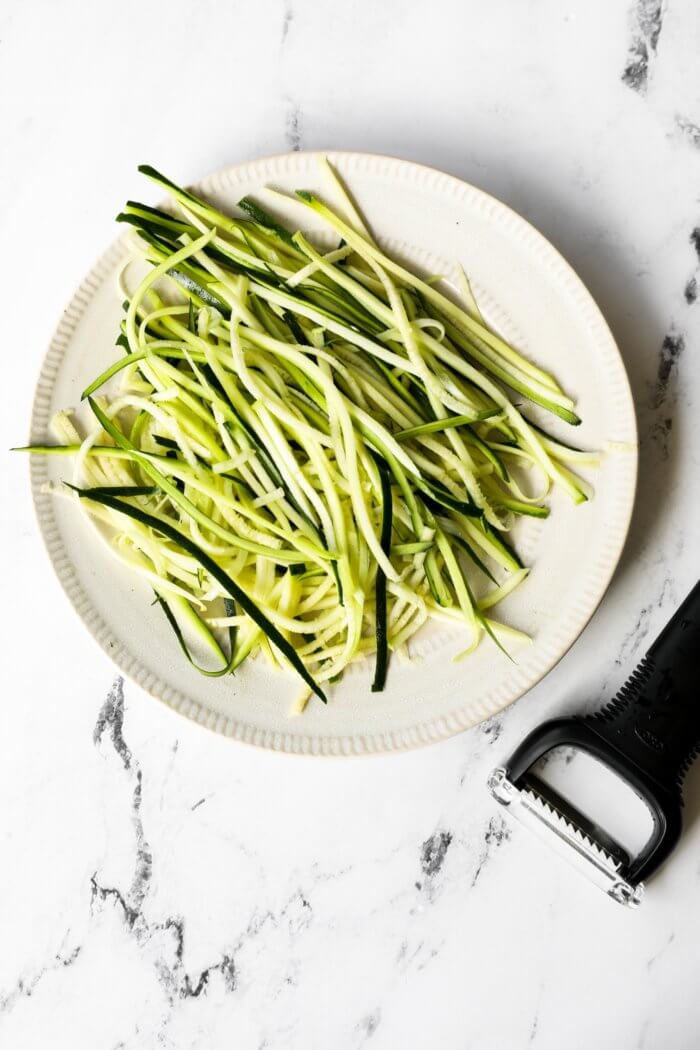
[162, 887]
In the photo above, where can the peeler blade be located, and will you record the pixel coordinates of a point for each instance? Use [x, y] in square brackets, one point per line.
[601, 864]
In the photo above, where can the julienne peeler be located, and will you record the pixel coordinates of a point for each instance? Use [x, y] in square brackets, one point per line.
[648, 735]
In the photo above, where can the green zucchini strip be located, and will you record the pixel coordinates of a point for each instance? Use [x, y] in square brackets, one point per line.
[210, 566]
[317, 435]
[382, 641]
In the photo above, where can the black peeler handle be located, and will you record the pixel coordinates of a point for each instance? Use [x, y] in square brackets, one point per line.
[655, 718]
[649, 734]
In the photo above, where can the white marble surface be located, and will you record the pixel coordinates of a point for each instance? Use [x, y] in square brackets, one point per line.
[161, 887]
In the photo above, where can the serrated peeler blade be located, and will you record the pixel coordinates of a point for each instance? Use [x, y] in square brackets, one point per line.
[569, 840]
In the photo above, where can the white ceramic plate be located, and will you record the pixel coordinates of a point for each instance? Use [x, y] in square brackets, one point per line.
[528, 291]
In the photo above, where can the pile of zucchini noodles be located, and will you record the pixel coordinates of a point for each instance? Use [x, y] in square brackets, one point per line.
[310, 453]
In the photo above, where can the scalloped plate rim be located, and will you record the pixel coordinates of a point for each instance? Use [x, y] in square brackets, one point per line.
[286, 739]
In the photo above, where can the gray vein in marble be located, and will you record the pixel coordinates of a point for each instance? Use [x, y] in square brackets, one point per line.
[497, 832]
[26, 986]
[165, 779]
[287, 19]
[419, 957]
[111, 718]
[690, 292]
[403, 952]
[535, 1022]
[492, 728]
[558, 755]
[660, 434]
[292, 115]
[368, 1025]
[651, 962]
[293, 126]
[169, 963]
[633, 640]
[689, 130]
[433, 852]
[179, 982]
[642, 1041]
[695, 241]
[671, 350]
[296, 911]
[99, 892]
[432, 857]
[319, 877]
[144, 858]
[533, 1027]
[663, 393]
[647, 21]
[483, 737]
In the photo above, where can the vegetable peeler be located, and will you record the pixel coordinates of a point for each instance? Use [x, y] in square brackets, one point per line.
[648, 735]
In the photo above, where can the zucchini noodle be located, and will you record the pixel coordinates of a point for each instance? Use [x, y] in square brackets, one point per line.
[309, 454]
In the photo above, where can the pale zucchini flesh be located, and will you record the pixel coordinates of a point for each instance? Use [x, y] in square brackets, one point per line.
[320, 437]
